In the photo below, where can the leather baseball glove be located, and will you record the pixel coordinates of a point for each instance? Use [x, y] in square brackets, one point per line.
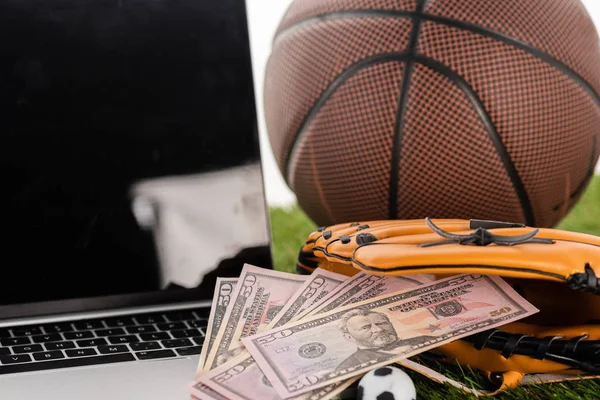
[555, 270]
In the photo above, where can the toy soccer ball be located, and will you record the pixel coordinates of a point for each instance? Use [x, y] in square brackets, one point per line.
[386, 383]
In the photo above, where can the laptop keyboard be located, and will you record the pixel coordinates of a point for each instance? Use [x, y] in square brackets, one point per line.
[101, 341]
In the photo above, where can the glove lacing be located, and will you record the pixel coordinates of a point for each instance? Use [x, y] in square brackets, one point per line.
[576, 352]
[483, 237]
[587, 281]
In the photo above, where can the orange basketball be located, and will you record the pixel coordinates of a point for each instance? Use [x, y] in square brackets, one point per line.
[402, 109]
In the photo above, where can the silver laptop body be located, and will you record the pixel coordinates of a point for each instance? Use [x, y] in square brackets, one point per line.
[130, 178]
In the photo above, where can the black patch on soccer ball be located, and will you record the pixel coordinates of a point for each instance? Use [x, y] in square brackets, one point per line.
[382, 371]
[360, 392]
[386, 396]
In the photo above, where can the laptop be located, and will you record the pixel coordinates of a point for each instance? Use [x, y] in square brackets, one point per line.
[130, 179]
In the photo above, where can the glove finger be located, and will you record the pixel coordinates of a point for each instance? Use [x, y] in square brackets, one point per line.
[343, 242]
[311, 256]
[349, 225]
[336, 231]
[575, 261]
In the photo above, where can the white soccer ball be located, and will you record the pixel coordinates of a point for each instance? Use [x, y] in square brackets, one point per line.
[386, 383]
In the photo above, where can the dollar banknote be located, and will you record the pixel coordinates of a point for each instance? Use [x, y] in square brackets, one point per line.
[257, 298]
[232, 378]
[203, 392]
[343, 287]
[223, 289]
[319, 284]
[242, 379]
[320, 350]
[362, 287]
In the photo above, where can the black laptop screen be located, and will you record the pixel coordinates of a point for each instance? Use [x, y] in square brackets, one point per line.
[98, 98]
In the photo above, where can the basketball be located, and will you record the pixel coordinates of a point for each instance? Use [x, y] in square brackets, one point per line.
[406, 109]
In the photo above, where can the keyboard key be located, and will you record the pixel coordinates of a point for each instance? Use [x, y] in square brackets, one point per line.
[51, 337]
[118, 348]
[198, 339]
[175, 316]
[176, 343]
[30, 348]
[4, 333]
[57, 328]
[110, 332]
[149, 319]
[171, 326]
[118, 322]
[16, 358]
[189, 351]
[123, 339]
[151, 355]
[155, 336]
[15, 341]
[4, 351]
[185, 333]
[49, 355]
[141, 329]
[59, 345]
[81, 352]
[79, 335]
[145, 346]
[91, 342]
[65, 363]
[26, 331]
[202, 313]
[198, 323]
[88, 325]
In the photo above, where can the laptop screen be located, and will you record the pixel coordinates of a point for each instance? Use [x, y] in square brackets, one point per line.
[129, 155]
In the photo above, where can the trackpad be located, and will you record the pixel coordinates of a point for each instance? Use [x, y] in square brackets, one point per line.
[148, 380]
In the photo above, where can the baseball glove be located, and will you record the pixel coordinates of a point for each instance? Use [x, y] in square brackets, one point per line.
[555, 270]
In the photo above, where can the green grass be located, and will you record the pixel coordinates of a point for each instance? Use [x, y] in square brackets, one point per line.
[585, 216]
[290, 227]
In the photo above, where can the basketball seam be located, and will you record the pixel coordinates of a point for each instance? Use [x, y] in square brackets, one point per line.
[324, 97]
[278, 30]
[396, 140]
[399, 124]
[342, 14]
[501, 37]
[411, 56]
[455, 78]
[585, 181]
[490, 128]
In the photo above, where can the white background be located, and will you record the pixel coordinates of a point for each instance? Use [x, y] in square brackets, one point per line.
[263, 17]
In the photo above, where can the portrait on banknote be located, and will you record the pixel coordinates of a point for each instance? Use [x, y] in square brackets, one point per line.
[374, 336]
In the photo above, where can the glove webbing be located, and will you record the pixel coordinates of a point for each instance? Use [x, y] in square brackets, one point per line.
[482, 237]
[577, 352]
[586, 281]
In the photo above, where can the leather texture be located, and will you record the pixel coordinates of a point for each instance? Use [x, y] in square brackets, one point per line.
[556, 270]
